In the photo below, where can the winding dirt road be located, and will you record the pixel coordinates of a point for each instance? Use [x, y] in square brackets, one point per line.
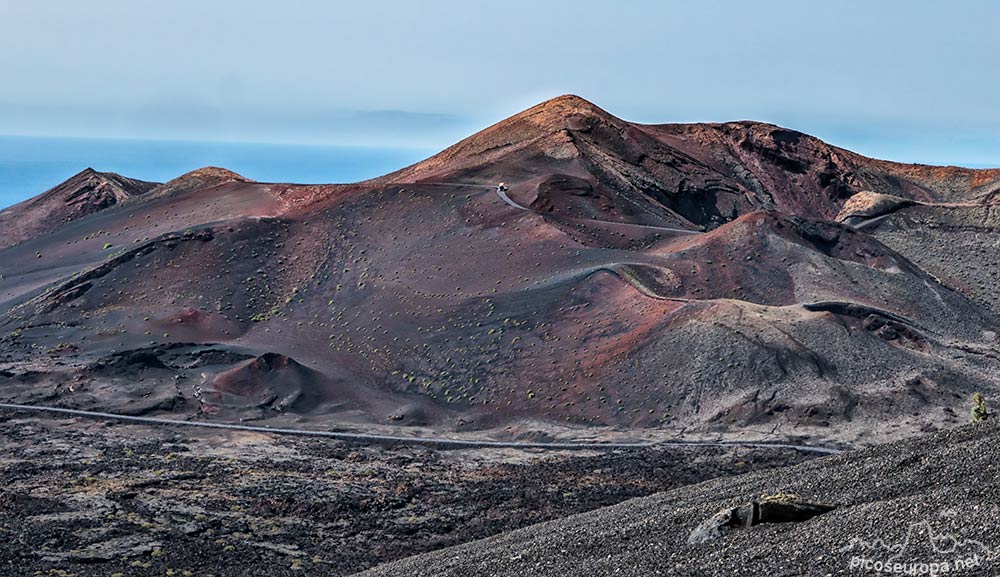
[394, 439]
[504, 197]
[510, 202]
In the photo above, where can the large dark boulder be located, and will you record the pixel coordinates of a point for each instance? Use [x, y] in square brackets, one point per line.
[780, 508]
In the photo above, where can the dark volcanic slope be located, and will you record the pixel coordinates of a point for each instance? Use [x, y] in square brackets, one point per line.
[956, 242]
[939, 487]
[88, 500]
[424, 298]
[86, 193]
[803, 175]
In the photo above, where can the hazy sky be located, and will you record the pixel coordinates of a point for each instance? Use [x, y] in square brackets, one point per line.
[908, 80]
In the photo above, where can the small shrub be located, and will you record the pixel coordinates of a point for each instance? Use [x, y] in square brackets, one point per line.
[979, 412]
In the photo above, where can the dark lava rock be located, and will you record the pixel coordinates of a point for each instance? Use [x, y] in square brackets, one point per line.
[781, 508]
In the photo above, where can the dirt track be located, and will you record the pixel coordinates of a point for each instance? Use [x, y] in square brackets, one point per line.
[426, 441]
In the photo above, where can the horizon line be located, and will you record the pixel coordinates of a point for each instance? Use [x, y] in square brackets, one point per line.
[196, 140]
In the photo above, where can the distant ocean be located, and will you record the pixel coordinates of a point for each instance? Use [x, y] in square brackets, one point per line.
[30, 165]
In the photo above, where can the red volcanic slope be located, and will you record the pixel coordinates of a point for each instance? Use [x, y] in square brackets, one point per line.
[679, 276]
[83, 194]
[705, 173]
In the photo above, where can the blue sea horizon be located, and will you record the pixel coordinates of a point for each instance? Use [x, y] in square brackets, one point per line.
[31, 165]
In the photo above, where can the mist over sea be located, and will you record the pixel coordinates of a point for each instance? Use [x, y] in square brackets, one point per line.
[32, 165]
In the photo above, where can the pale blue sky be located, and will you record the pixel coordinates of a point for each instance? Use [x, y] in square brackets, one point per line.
[906, 80]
